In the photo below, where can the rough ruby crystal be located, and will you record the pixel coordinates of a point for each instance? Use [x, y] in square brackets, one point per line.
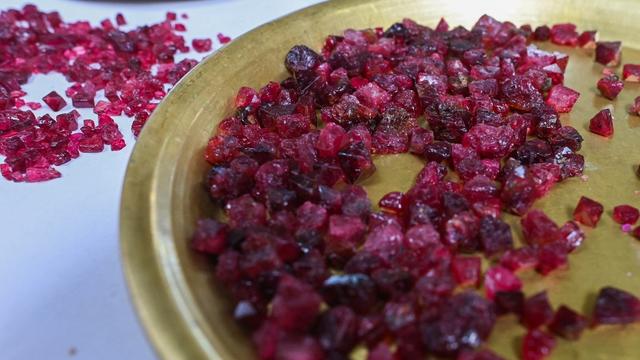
[201, 45]
[562, 98]
[495, 235]
[210, 236]
[498, 278]
[295, 305]
[608, 52]
[464, 322]
[520, 258]
[54, 101]
[466, 270]
[588, 211]
[567, 323]
[602, 123]
[509, 302]
[542, 33]
[536, 311]
[572, 235]
[587, 39]
[332, 138]
[537, 345]
[625, 214]
[354, 290]
[610, 86]
[615, 306]
[631, 72]
[539, 229]
[564, 34]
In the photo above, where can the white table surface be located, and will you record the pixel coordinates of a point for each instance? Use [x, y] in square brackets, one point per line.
[62, 290]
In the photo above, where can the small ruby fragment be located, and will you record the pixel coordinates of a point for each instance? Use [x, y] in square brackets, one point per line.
[562, 98]
[537, 311]
[567, 323]
[295, 305]
[610, 86]
[542, 33]
[537, 345]
[572, 235]
[539, 229]
[588, 211]
[608, 52]
[120, 20]
[587, 40]
[54, 101]
[602, 123]
[210, 236]
[498, 278]
[201, 45]
[467, 270]
[564, 34]
[223, 39]
[625, 214]
[509, 302]
[615, 306]
[631, 72]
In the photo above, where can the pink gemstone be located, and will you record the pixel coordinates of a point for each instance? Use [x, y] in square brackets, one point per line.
[588, 211]
[602, 123]
[520, 258]
[223, 38]
[210, 236]
[562, 98]
[631, 72]
[344, 234]
[373, 96]
[610, 86]
[54, 101]
[332, 138]
[625, 214]
[564, 34]
[608, 52]
[295, 305]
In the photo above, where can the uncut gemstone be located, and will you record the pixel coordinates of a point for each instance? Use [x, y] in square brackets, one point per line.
[345, 233]
[562, 98]
[567, 323]
[542, 33]
[602, 123]
[483, 354]
[332, 138]
[392, 202]
[537, 311]
[539, 229]
[564, 34]
[467, 270]
[509, 302]
[635, 107]
[631, 72]
[489, 141]
[465, 321]
[625, 214]
[210, 236]
[520, 258]
[338, 329]
[587, 39]
[356, 162]
[537, 345]
[356, 291]
[608, 53]
[565, 136]
[572, 235]
[610, 86]
[295, 305]
[588, 211]
[498, 278]
[495, 236]
[201, 45]
[54, 101]
[615, 306]
[520, 93]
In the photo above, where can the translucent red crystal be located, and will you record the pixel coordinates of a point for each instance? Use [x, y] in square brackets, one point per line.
[54, 101]
[588, 211]
[562, 98]
[608, 53]
[625, 214]
[537, 345]
[564, 34]
[536, 311]
[201, 45]
[567, 323]
[498, 279]
[610, 86]
[602, 123]
[615, 306]
[631, 72]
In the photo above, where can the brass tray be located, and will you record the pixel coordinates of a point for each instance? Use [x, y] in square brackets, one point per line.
[187, 316]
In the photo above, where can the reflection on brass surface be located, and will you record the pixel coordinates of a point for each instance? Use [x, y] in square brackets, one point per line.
[188, 317]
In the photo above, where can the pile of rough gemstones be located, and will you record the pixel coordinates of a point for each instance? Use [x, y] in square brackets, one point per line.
[112, 70]
[316, 271]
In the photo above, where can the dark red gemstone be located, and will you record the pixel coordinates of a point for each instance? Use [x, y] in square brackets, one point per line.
[568, 323]
[588, 211]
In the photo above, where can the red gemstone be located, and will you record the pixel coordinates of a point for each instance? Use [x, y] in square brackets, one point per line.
[631, 72]
[610, 86]
[615, 306]
[498, 279]
[210, 236]
[537, 311]
[201, 45]
[625, 214]
[608, 52]
[54, 101]
[588, 211]
[587, 40]
[602, 123]
[564, 34]
[568, 323]
[562, 98]
[537, 345]
[539, 229]
[467, 270]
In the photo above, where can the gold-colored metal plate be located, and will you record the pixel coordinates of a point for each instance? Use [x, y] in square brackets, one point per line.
[187, 316]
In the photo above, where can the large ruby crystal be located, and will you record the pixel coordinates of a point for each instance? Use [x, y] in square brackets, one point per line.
[608, 52]
[567, 323]
[615, 306]
[588, 211]
[602, 123]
